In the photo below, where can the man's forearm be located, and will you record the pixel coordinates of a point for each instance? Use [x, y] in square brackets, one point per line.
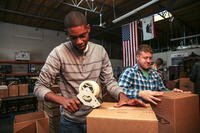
[51, 96]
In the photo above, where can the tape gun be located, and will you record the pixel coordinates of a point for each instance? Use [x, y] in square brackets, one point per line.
[88, 91]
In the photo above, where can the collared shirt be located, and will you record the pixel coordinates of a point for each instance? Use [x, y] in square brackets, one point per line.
[73, 68]
[132, 81]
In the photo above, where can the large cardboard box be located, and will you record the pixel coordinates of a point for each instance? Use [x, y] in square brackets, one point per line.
[186, 85]
[13, 90]
[178, 113]
[36, 122]
[127, 119]
[23, 89]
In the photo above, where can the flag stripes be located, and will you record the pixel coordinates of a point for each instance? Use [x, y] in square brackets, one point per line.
[129, 43]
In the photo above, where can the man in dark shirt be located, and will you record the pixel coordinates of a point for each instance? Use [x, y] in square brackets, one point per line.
[195, 77]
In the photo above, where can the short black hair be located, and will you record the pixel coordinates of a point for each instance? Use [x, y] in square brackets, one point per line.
[74, 18]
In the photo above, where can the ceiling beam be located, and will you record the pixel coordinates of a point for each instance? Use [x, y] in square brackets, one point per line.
[30, 15]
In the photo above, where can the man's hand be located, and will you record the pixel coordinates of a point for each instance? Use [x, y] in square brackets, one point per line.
[151, 96]
[177, 90]
[181, 91]
[124, 100]
[72, 105]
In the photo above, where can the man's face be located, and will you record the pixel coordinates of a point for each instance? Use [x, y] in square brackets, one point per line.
[79, 36]
[144, 60]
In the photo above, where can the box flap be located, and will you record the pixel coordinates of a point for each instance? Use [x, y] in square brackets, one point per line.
[42, 125]
[26, 127]
[29, 116]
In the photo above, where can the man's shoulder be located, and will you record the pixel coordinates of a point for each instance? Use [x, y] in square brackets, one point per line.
[132, 69]
[63, 45]
[95, 45]
[96, 48]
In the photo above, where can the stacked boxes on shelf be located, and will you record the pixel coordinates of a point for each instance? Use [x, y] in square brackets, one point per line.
[53, 111]
[3, 91]
[13, 90]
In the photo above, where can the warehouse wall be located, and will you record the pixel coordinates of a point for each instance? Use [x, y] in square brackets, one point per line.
[38, 41]
[23, 38]
[167, 56]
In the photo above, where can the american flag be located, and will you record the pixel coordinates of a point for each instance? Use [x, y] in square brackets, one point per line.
[129, 43]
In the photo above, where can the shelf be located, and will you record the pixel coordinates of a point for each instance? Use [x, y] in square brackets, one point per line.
[18, 97]
[21, 62]
[19, 74]
[18, 104]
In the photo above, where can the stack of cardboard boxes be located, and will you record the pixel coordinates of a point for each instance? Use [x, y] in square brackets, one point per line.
[176, 113]
[3, 91]
[13, 90]
[53, 112]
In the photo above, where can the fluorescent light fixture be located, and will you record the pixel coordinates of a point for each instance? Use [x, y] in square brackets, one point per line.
[134, 11]
[162, 15]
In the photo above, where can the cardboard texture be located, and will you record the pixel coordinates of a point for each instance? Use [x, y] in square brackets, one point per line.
[13, 90]
[186, 85]
[23, 89]
[178, 113]
[25, 127]
[3, 91]
[36, 122]
[127, 119]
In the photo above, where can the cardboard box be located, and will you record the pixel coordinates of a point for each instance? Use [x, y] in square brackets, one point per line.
[3, 91]
[171, 84]
[178, 113]
[36, 122]
[13, 90]
[127, 119]
[186, 85]
[23, 89]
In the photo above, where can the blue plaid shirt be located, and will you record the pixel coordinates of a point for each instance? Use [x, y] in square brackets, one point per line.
[132, 81]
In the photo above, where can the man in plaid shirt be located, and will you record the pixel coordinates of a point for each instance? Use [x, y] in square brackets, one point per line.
[140, 81]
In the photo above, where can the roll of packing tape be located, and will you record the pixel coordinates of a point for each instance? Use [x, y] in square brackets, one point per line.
[92, 85]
